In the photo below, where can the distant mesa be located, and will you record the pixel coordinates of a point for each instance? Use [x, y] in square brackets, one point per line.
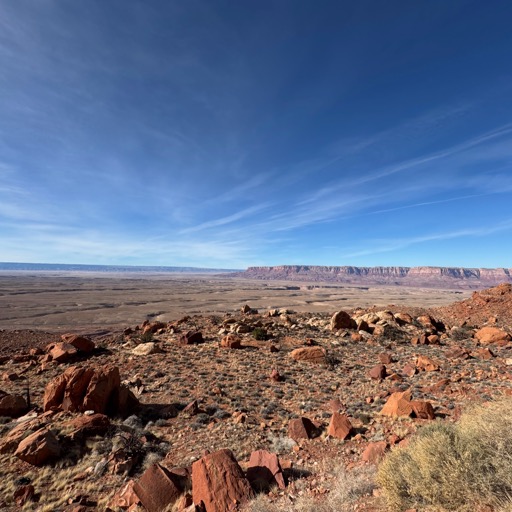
[429, 277]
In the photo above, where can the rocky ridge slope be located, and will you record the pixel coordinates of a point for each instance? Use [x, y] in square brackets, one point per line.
[430, 277]
[276, 401]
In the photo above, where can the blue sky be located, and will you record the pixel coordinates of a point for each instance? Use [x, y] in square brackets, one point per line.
[228, 134]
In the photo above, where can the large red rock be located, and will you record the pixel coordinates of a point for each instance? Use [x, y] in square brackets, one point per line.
[81, 343]
[492, 335]
[190, 338]
[10, 441]
[219, 482]
[86, 388]
[315, 355]
[398, 404]
[62, 352]
[93, 425]
[342, 320]
[423, 410]
[301, 428]
[126, 498]
[426, 364]
[264, 471]
[158, 488]
[39, 448]
[103, 391]
[77, 384]
[340, 426]
[378, 372]
[231, 341]
[12, 405]
[153, 327]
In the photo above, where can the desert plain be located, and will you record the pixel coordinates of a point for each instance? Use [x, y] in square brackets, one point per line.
[60, 301]
[215, 394]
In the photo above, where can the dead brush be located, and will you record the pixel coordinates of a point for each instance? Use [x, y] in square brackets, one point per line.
[454, 466]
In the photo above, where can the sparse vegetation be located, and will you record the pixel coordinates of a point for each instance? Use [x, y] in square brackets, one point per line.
[454, 466]
[146, 337]
[339, 496]
[260, 334]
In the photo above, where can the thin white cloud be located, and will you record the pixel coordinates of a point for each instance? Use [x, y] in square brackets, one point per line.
[225, 220]
[401, 243]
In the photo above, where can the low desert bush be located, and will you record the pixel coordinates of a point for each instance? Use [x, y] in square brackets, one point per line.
[259, 334]
[454, 466]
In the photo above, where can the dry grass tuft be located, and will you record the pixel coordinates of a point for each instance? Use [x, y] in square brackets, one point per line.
[346, 488]
[454, 466]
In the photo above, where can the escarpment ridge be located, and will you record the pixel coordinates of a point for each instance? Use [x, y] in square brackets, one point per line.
[434, 277]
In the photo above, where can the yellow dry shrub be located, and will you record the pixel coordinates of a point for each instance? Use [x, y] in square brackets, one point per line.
[454, 466]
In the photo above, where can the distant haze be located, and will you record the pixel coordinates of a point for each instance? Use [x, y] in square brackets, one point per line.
[58, 267]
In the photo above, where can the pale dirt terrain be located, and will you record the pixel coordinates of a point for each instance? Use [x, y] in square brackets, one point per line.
[91, 302]
[240, 407]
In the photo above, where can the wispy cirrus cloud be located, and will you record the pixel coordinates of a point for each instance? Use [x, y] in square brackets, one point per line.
[392, 245]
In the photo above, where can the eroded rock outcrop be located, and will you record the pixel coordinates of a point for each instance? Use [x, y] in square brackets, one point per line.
[86, 388]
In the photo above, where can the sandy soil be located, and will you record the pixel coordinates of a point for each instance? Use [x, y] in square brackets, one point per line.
[63, 301]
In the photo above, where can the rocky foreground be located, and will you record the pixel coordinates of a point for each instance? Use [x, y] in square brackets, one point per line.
[216, 413]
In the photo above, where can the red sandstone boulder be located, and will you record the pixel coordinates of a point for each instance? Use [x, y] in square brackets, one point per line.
[218, 482]
[103, 390]
[158, 488]
[153, 327]
[11, 440]
[342, 320]
[385, 358]
[12, 405]
[38, 448]
[81, 343]
[301, 428]
[483, 353]
[264, 471]
[190, 338]
[93, 425]
[426, 364]
[426, 321]
[492, 335]
[398, 404]
[403, 318]
[315, 355]
[62, 352]
[126, 498]
[378, 372]
[84, 388]
[423, 410]
[409, 370]
[340, 426]
[374, 452]
[231, 341]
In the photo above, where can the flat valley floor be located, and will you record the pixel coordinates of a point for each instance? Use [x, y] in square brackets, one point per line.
[90, 302]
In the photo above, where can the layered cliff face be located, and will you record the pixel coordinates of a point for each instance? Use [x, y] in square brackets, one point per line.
[436, 277]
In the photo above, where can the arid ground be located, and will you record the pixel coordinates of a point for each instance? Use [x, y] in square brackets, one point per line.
[90, 302]
[175, 369]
